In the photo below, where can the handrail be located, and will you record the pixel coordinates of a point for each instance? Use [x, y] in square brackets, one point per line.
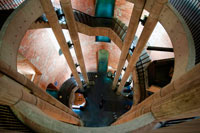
[113, 21]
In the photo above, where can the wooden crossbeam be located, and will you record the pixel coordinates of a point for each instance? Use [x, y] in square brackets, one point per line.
[54, 24]
[146, 33]
[133, 24]
[71, 23]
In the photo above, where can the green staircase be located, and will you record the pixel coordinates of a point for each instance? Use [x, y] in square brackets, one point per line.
[104, 9]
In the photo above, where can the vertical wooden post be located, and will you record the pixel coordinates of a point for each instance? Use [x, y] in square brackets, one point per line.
[133, 24]
[54, 24]
[136, 90]
[146, 33]
[72, 27]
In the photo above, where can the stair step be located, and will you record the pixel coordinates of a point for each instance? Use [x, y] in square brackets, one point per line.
[121, 33]
[87, 19]
[80, 18]
[119, 29]
[142, 63]
[116, 21]
[84, 18]
[118, 26]
[76, 16]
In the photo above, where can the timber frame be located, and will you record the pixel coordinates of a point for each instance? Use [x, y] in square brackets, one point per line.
[185, 85]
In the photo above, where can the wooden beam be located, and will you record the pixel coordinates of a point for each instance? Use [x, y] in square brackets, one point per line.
[146, 33]
[56, 113]
[71, 23]
[180, 36]
[35, 90]
[12, 92]
[133, 24]
[179, 99]
[176, 28]
[136, 90]
[54, 24]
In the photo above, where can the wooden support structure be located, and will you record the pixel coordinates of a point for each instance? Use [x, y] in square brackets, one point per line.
[12, 92]
[133, 24]
[146, 33]
[169, 19]
[35, 90]
[179, 99]
[54, 24]
[73, 31]
[136, 90]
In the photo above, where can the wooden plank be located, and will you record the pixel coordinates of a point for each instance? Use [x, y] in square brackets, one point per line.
[71, 23]
[146, 33]
[54, 24]
[134, 21]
